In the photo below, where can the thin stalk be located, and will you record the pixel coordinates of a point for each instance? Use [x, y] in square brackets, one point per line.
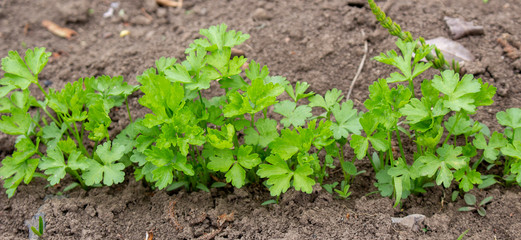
[128, 110]
[411, 87]
[36, 123]
[342, 160]
[265, 111]
[41, 89]
[400, 143]
[252, 120]
[77, 176]
[95, 146]
[391, 157]
[51, 117]
[450, 132]
[476, 164]
[76, 135]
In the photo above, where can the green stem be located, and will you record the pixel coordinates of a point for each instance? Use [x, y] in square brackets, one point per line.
[391, 157]
[342, 160]
[265, 111]
[400, 144]
[252, 120]
[450, 132]
[41, 89]
[411, 87]
[128, 110]
[95, 147]
[76, 135]
[75, 174]
[51, 117]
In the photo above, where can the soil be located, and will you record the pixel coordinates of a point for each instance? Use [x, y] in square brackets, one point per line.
[320, 42]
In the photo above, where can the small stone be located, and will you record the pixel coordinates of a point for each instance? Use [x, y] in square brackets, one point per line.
[161, 12]
[260, 14]
[150, 5]
[475, 68]
[74, 11]
[140, 20]
[412, 221]
[517, 64]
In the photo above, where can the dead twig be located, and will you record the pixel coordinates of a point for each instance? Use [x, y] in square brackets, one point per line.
[145, 13]
[57, 30]
[359, 68]
[149, 235]
[220, 222]
[173, 217]
[511, 51]
[170, 3]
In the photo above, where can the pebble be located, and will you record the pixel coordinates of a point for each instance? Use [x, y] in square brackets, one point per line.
[74, 11]
[412, 221]
[140, 20]
[150, 5]
[261, 14]
[161, 12]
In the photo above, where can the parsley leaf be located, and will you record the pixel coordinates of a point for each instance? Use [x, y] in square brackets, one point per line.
[265, 134]
[294, 115]
[458, 94]
[448, 158]
[107, 169]
[280, 175]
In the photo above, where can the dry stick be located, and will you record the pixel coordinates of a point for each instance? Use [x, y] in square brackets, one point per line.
[359, 68]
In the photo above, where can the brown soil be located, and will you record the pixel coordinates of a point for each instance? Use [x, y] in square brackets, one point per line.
[320, 42]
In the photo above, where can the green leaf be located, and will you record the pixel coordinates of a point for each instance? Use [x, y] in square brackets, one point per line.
[510, 118]
[416, 111]
[278, 173]
[233, 83]
[221, 160]
[458, 94]
[331, 98]
[20, 166]
[449, 158]
[254, 71]
[237, 105]
[467, 177]
[299, 92]
[459, 125]
[178, 73]
[301, 181]
[221, 139]
[107, 169]
[18, 73]
[360, 145]
[490, 150]
[267, 133]
[17, 124]
[347, 120]
[162, 97]
[220, 38]
[164, 63]
[512, 149]
[469, 199]
[263, 94]
[54, 165]
[294, 115]
[247, 159]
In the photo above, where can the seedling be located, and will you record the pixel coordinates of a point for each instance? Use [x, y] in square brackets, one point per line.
[41, 228]
[470, 200]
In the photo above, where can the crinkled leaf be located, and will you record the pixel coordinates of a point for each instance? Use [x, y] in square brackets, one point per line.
[458, 94]
[294, 115]
[265, 134]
